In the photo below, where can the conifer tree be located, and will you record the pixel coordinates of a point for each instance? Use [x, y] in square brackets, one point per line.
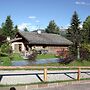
[7, 27]
[74, 32]
[86, 30]
[52, 28]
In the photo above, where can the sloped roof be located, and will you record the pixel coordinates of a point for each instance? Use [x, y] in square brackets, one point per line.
[45, 38]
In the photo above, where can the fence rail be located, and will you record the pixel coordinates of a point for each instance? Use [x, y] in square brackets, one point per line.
[42, 67]
[45, 73]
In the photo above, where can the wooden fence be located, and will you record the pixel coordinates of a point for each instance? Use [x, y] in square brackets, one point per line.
[45, 69]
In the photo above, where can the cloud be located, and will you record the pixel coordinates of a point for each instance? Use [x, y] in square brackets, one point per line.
[23, 25]
[37, 21]
[33, 28]
[29, 26]
[81, 25]
[81, 3]
[32, 17]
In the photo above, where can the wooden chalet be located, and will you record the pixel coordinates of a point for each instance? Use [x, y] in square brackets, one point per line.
[26, 41]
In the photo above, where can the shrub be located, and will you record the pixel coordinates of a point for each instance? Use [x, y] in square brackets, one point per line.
[85, 53]
[3, 54]
[6, 48]
[69, 59]
[32, 56]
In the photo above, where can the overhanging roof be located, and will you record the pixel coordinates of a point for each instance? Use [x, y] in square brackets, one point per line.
[44, 38]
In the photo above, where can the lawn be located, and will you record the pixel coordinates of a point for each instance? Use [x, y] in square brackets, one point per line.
[79, 63]
[6, 60]
[45, 56]
[17, 56]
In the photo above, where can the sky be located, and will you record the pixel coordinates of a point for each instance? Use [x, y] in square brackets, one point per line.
[36, 14]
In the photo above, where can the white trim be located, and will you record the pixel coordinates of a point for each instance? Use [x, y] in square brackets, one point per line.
[14, 43]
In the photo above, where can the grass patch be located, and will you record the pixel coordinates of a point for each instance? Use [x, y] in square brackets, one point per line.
[79, 63]
[45, 56]
[17, 57]
[5, 61]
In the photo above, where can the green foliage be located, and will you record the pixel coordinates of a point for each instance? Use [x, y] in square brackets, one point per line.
[6, 48]
[26, 30]
[74, 32]
[79, 63]
[45, 56]
[87, 46]
[15, 31]
[52, 28]
[17, 56]
[6, 61]
[86, 30]
[85, 52]
[2, 38]
[3, 54]
[7, 27]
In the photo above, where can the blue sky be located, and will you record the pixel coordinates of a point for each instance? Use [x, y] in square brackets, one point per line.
[35, 14]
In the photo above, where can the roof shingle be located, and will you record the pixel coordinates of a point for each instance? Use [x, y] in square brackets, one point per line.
[45, 38]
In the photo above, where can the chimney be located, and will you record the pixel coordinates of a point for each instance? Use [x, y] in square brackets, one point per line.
[39, 31]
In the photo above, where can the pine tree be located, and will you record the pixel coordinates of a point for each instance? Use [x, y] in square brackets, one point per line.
[86, 30]
[26, 30]
[74, 32]
[7, 27]
[52, 28]
[15, 30]
[2, 37]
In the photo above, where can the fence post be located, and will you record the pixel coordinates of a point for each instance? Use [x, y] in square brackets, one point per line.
[78, 74]
[45, 74]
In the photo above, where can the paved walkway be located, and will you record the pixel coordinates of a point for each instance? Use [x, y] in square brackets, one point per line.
[68, 87]
[75, 85]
